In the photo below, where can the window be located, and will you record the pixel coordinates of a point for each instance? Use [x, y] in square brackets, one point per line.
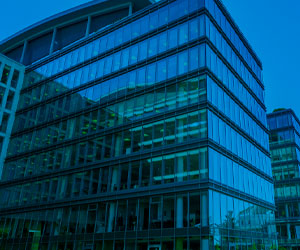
[145, 173]
[183, 63]
[169, 163]
[4, 123]
[155, 213]
[134, 172]
[183, 34]
[5, 74]
[134, 54]
[152, 49]
[38, 48]
[172, 66]
[10, 99]
[194, 220]
[194, 29]
[15, 78]
[2, 93]
[98, 22]
[173, 38]
[15, 53]
[69, 34]
[162, 42]
[143, 48]
[168, 212]
[157, 170]
[194, 58]
[161, 71]
[1, 143]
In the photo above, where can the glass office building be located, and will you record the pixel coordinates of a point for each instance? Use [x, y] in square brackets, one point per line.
[284, 146]
[11, 79]
[144, 129]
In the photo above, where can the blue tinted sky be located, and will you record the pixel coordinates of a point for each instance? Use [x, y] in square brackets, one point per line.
[273, 29]
[271, 26]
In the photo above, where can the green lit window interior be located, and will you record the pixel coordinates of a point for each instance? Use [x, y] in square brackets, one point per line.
[5, 74]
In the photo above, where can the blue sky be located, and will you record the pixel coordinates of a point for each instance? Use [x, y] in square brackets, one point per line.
[273, 29]
[271, 26]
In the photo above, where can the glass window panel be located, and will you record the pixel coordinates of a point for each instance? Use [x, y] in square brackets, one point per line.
[169, 163]
[193, 58]
[162, 70]
[155, 213]
[121, 217]
[183, 63]
[133, 54]
[168, 212]
[183, 33]
[194, 29]
[145, 180]
[157, 170]
[5, 74]
[162, 43]
[135, 172]
[194, 164]
[173, 38]
[132, 213]
[143, 214]
[182, 167]
[194, 201]
[172, 66]
[15, 78]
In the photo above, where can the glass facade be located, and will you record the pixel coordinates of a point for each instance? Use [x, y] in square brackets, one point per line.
[153, 135]
[11, 79]
[284, 146]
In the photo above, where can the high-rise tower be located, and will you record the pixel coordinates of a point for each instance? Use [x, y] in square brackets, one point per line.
[139, 126]
[285, 155]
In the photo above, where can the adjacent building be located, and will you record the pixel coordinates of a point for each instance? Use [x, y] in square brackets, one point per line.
[11, 79]
[284, 146]
[139, 126]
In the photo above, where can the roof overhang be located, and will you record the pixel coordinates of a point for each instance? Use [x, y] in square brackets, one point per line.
[67, 17]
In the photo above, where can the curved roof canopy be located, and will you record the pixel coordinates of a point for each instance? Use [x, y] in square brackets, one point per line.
[68, 17]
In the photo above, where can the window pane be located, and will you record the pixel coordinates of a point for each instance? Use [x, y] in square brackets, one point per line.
[5, 74]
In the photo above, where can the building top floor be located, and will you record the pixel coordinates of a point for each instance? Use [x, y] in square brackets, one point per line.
[80, 25]
[283, 118]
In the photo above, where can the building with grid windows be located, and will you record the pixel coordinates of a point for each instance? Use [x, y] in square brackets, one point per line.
[285, 155]
[139, 126]
[11, 79]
